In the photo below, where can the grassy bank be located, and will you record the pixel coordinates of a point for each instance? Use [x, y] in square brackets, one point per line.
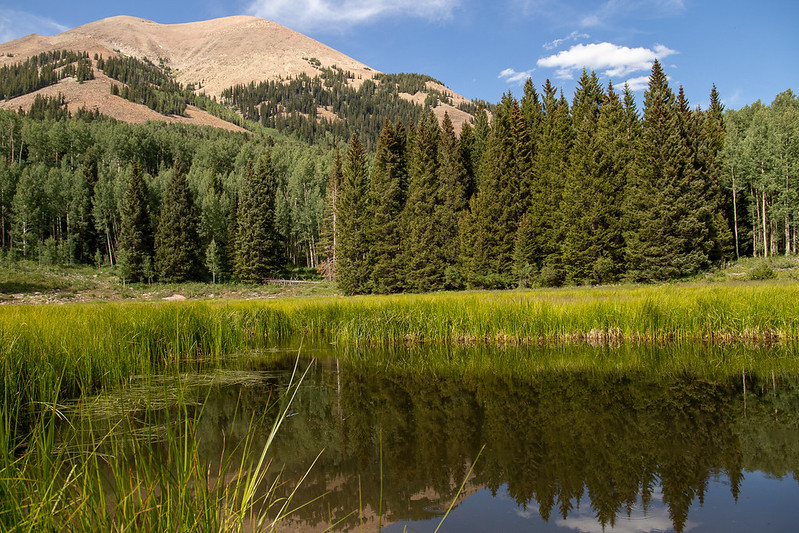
[84, 347]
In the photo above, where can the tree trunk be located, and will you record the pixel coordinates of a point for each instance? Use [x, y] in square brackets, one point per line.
[108, 242]
[735, 216]
[765, 228]
[755, 224]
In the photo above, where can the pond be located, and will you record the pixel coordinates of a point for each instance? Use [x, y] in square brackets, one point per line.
[526, 444]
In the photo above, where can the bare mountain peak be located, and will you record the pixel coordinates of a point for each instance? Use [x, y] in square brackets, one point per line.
[215, 53]
[211, 55]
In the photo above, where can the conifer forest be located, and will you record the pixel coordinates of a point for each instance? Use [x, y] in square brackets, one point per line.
[536, 191]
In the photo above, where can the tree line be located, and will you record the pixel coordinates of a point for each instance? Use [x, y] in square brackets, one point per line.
[549, 192]
[145, 83]
[158, 201]
[537, 191]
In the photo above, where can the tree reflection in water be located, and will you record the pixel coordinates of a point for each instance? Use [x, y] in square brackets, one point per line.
[619, 438]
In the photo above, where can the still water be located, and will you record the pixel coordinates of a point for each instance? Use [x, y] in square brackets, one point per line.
[604, 447]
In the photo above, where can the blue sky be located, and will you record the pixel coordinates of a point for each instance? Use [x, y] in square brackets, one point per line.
[482, 49]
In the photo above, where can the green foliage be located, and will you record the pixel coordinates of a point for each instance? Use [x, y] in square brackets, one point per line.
[352, 267]
[135, 239]
[257, 248]
[762, 271]
[599, 161]
[423, 217]
[176, 240]
[387, 191]
[668, 213]
[145, 83]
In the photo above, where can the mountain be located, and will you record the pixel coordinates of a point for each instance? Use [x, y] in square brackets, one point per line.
[207, 58]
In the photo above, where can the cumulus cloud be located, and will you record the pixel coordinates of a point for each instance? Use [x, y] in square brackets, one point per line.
[511, 76]
[15, 24]
[638, 84]
[610, 59]
[332, 14]
[573, 36]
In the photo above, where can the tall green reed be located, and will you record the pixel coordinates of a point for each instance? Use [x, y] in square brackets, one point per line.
[127, 473]
[88, 347]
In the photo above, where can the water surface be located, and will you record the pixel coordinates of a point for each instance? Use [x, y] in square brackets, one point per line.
[633, 442]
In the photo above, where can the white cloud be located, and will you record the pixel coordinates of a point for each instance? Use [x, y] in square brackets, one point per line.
[610, 59]
[638, 84]
[511, 76]
[333, 14]
[15, 24]
[573, 36]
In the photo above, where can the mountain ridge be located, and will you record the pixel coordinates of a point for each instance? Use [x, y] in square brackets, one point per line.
[208, 56]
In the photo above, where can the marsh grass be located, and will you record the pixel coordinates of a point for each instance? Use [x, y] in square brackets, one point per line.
[82, 348]
[146, 473]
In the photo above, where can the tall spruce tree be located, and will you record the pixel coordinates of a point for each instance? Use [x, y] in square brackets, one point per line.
[453, 191]
[135, 237]
[352, 269]
[665, 208]
[710, 160]
[258, 250]
[537, 243]
[581, 246]
[386, 201]
[489, 230]
[177, 242]
[424, 256]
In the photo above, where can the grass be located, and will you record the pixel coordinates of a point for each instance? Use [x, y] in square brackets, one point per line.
[117, 480]
[82, 348]
[30, 282]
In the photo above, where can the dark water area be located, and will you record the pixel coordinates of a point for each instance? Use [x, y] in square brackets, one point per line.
[586, 450]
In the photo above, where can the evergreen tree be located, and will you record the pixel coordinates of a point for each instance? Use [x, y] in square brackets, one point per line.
[135, 239]
[453, 190]
[538, 246]
[258, 248]
[176, 240]
[386, 201]
[467, 156]
[593, 191]
[489, 230]
[424, 254]
[665, 209]
[482, 130]
[708, 145]
[352, 268]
